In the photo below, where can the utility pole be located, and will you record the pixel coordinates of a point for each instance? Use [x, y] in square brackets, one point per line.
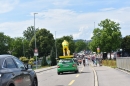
[35, 53]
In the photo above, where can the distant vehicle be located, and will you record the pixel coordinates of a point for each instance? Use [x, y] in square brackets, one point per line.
[67, 65]
[14, 73]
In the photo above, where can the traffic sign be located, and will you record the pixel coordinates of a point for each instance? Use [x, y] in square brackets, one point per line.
[98, 50]
[35, 52]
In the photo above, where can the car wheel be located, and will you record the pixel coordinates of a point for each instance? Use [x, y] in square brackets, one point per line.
[76, 71]
[58, 73]
[34, 82]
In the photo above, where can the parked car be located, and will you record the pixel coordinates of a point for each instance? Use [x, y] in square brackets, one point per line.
[67, 65]
[14, 73]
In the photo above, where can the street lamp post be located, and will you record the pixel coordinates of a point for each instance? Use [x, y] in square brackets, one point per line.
[55, 45]
[23, 47]
[35, 38]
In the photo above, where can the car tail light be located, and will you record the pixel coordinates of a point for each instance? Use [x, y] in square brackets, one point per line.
[74, 65]
[58, 66]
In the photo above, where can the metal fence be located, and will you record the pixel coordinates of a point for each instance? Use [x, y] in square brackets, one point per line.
[123, 63]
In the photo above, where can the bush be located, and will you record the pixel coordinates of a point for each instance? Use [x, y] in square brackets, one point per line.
[24, 59]
[111, 63]
[31, 61]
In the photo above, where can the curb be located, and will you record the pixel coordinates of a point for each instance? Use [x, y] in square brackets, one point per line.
[122, 70]
[45, 69]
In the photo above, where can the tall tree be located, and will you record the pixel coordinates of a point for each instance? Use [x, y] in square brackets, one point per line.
[29, 33]
[80, 45]
[107, 37]
[44, 42]
[53, 57]
[95, 43]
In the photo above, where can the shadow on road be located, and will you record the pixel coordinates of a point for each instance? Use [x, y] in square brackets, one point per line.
[84, 72]
[66, 73]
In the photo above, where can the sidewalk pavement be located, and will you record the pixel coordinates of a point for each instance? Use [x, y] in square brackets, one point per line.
[107, 76]
[44, 69]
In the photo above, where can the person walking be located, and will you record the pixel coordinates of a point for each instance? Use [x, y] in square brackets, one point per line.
[84, 62]
[93, 59]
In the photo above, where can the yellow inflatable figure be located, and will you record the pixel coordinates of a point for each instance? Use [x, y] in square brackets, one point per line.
[66, 51]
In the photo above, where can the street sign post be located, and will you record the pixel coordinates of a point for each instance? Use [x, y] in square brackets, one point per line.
[36, 54]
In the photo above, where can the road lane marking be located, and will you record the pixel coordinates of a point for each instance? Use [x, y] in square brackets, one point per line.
[95, 76]
[71, 82]
[77, 75]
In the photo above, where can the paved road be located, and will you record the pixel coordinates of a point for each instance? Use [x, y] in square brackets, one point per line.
[88, 76]
[50, 78]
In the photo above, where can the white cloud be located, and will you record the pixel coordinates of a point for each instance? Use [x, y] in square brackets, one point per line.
[67, 22]
[7, 5]
[14, 29]
[61, 3]
[107, 9]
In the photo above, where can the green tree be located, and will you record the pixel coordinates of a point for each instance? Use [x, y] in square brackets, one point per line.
[95, 40]
[17, 47]
[29, 33]
[27, 51]
[44, 41]
[80, 45]
[107, 37]
[53, 56]
[125, 45]
[4, 43]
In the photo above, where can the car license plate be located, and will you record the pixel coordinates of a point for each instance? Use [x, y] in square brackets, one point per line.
[66, 65]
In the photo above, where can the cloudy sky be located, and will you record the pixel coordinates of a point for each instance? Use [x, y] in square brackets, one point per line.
[66, 17]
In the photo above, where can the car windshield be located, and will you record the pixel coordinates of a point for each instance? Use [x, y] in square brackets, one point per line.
[66, 61]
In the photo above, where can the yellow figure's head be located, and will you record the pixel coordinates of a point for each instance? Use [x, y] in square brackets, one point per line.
[65, 44]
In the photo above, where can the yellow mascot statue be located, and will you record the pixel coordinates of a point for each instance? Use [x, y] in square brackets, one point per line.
[66, 51]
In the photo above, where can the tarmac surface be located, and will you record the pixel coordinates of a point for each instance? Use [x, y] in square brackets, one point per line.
[104, 76]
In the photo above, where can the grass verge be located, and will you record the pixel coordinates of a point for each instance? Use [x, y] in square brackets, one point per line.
[110, 63]
[39, 67]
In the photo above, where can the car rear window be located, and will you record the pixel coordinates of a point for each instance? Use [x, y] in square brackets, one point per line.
[66, 61]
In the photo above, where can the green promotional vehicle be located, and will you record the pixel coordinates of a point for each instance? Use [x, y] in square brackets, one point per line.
[67, 65]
